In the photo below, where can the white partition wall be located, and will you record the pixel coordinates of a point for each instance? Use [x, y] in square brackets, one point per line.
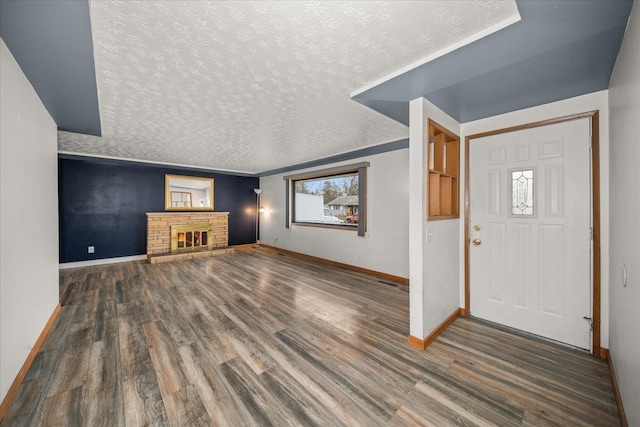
[435, 245]
[28, 218]
[624, 107]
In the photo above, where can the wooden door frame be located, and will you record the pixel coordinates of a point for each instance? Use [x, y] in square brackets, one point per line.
[595, 214]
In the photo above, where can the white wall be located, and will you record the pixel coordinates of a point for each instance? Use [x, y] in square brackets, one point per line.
[434, 265]
[384, 248]
[28, 214]
[624, 107]
[590, 102]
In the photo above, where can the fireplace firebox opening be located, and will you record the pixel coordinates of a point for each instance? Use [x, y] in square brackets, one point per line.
[190, 237]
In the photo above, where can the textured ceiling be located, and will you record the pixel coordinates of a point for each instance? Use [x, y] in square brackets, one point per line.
[254, 86]
[558, 50]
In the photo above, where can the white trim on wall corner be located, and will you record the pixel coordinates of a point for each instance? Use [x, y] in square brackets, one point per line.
[76, 264]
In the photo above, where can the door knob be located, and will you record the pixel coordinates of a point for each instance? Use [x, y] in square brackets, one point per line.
[476, 242]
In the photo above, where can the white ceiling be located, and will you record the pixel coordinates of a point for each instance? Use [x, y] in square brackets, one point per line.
[254, 86]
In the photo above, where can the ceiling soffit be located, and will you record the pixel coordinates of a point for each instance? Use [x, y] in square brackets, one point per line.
[51, 40]
[558, 50]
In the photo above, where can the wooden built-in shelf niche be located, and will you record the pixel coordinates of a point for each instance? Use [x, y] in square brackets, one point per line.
[443, 158]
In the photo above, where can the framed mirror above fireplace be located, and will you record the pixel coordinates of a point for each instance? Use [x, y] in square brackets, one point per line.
[188, 193]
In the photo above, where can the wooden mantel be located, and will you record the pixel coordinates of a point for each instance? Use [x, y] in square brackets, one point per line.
[159, 233]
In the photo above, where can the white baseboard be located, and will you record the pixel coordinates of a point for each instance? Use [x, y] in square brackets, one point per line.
[89, 263]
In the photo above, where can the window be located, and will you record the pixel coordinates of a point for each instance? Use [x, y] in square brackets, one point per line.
[332, 197]
[522, 192]
[329, 200]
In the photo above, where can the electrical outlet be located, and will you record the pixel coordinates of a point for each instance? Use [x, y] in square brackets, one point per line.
[91, 249]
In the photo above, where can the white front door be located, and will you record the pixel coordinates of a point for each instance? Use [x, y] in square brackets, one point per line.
[530, 218]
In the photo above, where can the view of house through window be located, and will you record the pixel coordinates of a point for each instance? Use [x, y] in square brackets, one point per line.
[329, 200]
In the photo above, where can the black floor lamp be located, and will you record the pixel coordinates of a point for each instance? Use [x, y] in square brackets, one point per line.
[258, 191]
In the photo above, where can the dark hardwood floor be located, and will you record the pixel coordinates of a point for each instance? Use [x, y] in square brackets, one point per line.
[259, 338]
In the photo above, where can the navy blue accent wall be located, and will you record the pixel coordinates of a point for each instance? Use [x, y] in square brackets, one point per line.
[103, 203]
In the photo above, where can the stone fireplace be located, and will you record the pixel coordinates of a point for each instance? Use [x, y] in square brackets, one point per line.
[185, 235]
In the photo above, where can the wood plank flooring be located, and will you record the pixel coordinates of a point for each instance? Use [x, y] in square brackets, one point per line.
[258, 338]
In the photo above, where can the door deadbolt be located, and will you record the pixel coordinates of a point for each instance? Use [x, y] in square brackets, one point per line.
[476, 227]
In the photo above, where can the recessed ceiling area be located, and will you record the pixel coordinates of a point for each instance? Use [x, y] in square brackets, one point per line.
[255, 86]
